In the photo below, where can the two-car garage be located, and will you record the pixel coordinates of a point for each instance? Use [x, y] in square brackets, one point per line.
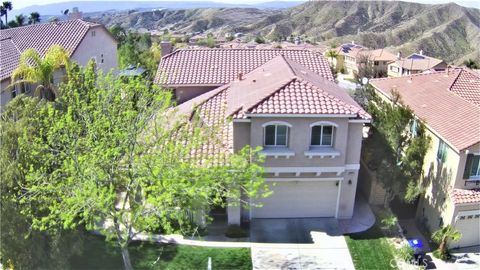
[468, 224]
[298, 199]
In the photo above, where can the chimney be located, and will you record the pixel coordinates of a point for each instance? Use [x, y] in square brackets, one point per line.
[353, 42]
[166, 47]
[399, 55]
[420, 52]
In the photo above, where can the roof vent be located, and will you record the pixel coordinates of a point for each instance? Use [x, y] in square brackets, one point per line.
[239, 76]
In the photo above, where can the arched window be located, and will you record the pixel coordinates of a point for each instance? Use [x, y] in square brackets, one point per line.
[276, 133]
[322, 134]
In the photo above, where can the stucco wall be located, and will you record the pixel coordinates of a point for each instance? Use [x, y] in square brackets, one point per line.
[95, 46]
[184, 93]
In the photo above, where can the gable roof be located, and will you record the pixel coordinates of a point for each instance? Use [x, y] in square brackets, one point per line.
[220, 66]
[447, 101]
[280, 86]
[419, 62]
[68, 34]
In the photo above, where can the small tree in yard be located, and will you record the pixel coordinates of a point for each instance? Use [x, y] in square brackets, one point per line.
[397, 148]
[442, 236]
[113, 156]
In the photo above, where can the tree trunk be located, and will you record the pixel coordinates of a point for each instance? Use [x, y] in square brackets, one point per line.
[126, 259]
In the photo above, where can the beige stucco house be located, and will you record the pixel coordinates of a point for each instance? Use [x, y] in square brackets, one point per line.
[82, 40]
[415, 63]
[352, 56]
[449, 104]
[286, 102]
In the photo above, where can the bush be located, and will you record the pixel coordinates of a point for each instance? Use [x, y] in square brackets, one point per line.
[406, 253]
[389, 221]
[441, 255]
[234, 231]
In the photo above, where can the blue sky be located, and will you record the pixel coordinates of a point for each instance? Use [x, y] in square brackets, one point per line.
[25, 3]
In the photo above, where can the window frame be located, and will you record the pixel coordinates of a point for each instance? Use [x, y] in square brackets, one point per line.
[477, 174]
[323, 124]
[442, 150]
[276, 124]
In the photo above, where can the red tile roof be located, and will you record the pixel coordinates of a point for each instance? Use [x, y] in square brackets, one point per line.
[461, 196]
[280, 86]
[220, 66]
[446, 101]
[40, 37]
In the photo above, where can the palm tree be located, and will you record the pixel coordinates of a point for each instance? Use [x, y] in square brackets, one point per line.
[35, 70]
[3, 11]
[442, 236]
[7, 5]
[34, 18]
[332, 54]
[20, 20]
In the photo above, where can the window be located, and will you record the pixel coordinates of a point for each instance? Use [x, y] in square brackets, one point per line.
[322, 135]
[101, 58]
[472, 167]
[414, 127]
[93, 33]
[276, 135]
[442, 151]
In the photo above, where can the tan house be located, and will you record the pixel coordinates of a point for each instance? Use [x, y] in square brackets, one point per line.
[352, 56]
[309, 128]
[449, 104]
[415, 63]
[82, 40]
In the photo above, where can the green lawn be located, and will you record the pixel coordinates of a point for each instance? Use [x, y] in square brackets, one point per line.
[97, 254]
[370, 250]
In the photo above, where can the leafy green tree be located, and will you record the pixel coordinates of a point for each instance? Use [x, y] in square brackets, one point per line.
[37, 70]
[470, 63]
[259, 40]
[34, 18]
[442, 236]
[117, 158]
[118, 32]
[20, 20]
[397, 148]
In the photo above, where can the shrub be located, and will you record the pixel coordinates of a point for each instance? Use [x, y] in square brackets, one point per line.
[406, 253]
[234, 231]
[389, 221]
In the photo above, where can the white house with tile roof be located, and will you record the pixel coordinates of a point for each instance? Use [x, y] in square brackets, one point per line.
[449, 104]
[82, 40]
[309, 128]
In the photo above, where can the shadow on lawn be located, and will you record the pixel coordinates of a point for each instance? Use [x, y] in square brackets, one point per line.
[373, 233]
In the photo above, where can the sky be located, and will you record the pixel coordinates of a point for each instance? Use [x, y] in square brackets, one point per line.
[17, 4]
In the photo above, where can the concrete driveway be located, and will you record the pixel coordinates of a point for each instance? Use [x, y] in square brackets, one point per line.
[463, 259]
[310, 243]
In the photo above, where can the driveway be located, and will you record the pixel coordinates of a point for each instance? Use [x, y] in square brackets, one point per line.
[309, 243]
[463, 259]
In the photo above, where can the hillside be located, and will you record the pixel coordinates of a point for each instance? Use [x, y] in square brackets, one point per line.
[447, 31]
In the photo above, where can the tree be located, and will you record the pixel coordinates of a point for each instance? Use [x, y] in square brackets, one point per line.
[7, 6]
[397, 147]
[37, 70]
[259, 40]
[34, 18]
[332, 54]
[117, 158]
[470, 63]
[442, 236]
[118, 32]
[20, 20]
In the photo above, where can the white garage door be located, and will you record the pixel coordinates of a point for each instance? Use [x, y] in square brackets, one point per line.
[298, 199]
[468, 224]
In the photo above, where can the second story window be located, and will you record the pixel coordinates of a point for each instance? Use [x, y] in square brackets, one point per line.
[472, 167]
[322, 135]
[442, 151]
[276, 135]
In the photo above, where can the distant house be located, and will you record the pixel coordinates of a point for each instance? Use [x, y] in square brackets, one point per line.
[352, 56]
[82, 40]
[287, 102]
[415, 63]
[449, 104]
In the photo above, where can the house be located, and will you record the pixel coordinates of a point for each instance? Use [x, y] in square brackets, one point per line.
[288, 103]
[82, 40]
[449, 104]
[415, 63]
[192, 72]
[353, 56]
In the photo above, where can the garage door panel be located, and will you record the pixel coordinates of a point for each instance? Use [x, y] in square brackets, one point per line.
[469, 227]
[296, 199]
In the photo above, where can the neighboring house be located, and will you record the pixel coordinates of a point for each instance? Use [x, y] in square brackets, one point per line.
[449, 104]
[192, 72]
[415, 63]
[82, 40]
[310, 129]
[352, 56]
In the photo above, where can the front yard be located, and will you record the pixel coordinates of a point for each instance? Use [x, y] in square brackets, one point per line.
[371, 250]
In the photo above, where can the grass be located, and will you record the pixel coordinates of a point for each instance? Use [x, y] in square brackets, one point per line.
[371, 250]
[98, 254]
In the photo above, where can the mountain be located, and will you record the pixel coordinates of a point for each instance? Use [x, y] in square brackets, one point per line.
[446, 31]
